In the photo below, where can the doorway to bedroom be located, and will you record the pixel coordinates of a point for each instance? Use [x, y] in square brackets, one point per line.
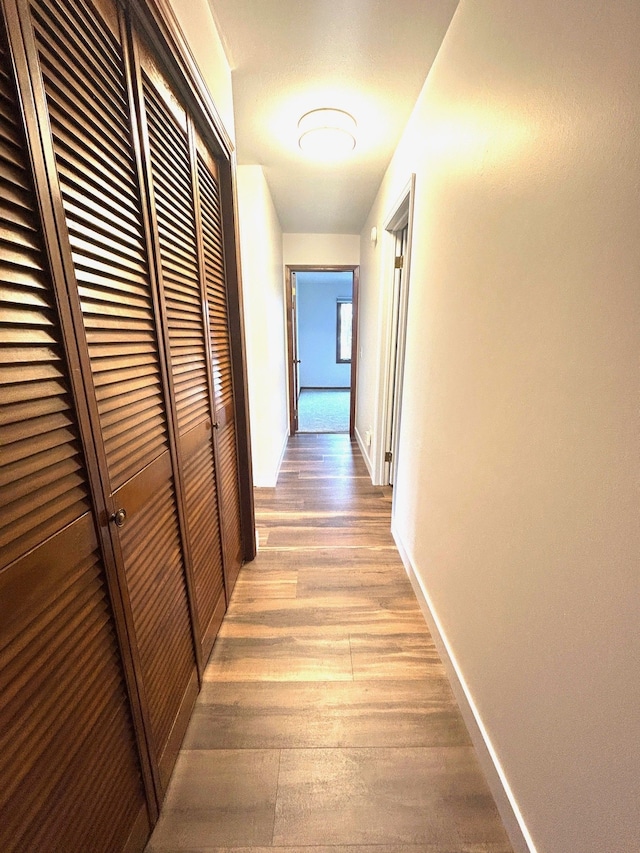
[322, 315]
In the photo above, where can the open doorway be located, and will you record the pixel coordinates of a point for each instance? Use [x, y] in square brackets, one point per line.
[322, 322]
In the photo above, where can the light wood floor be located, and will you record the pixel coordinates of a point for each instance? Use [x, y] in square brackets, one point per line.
[326, 723]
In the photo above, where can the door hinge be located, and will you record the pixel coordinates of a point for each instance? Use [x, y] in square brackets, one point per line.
[388, 456]
[399, 262]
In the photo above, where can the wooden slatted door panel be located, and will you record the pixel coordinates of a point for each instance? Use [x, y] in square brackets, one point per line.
[172, 182]
[87, 104]
[216, 292]
[161, 618]
[69, 772]
[83, 72]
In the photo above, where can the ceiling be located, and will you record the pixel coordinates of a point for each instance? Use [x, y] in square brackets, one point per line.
[368, 57]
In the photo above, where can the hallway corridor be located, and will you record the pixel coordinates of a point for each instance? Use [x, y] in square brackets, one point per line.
[326, 723]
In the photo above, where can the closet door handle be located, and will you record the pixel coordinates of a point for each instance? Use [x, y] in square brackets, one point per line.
[119, 517]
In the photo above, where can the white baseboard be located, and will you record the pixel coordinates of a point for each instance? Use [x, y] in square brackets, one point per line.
[365, 452]
[505, 801]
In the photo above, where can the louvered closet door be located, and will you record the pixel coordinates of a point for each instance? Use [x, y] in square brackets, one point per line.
[184, 304]
[69, 774]
[216, 292]
[82, 66]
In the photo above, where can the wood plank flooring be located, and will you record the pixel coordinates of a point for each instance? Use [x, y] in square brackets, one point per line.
[326, 723]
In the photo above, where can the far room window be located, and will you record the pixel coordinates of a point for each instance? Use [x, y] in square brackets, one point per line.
[343, 336]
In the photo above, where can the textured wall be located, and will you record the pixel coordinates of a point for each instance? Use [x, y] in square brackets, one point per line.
[321, 249]
[263, 285]
[197, 24]
[516, 497]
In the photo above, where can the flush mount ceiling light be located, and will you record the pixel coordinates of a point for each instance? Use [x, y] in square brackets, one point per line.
[327, 133]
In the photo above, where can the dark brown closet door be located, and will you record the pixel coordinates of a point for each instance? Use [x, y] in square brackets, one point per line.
[69, 774]
[82, 65]
[216, 293]
[174, 216]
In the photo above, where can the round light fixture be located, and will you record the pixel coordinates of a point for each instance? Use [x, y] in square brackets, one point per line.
[327, 133]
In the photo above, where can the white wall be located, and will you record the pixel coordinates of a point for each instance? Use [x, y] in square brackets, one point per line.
[516, 497]
[263, 288]
[317, 295]
[321, 249]
[196, 22]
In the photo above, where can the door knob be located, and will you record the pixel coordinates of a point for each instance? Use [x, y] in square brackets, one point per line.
[119, 517]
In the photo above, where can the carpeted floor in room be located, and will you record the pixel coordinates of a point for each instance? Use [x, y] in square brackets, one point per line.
[324, 410]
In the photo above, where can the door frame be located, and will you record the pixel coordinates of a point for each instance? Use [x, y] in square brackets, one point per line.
[401, 215]
[290, 270]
